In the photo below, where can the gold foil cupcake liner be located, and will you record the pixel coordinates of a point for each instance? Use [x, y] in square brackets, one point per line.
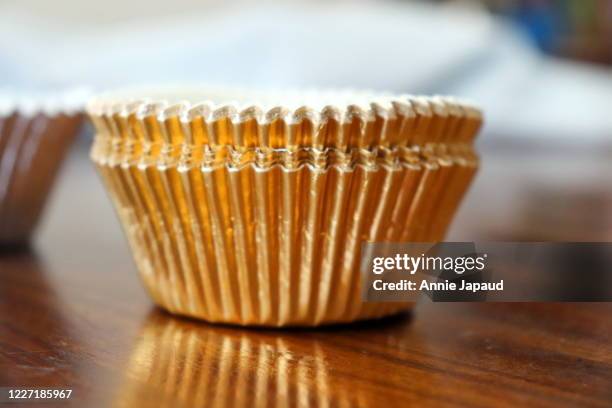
[34, 138]
[273, 242]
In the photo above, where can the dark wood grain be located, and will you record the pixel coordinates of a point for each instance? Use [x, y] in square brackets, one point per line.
[73, 314]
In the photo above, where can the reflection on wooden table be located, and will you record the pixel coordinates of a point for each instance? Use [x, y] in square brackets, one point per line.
[179, 362]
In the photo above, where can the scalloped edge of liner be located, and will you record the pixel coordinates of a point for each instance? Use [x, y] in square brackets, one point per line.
[386, 106]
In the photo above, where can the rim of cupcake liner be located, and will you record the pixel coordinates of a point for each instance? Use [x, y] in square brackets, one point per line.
[250, 102]
[67, 102]
[362, 119]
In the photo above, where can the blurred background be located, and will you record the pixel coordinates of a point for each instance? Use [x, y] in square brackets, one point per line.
[541, 70]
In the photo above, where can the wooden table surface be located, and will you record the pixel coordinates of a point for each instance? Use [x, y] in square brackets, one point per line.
[74, 315]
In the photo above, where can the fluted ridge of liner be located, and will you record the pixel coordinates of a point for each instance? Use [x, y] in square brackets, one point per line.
[184, 156]
[275, 246]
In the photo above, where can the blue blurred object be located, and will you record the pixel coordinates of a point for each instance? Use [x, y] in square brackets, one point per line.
[542, 20]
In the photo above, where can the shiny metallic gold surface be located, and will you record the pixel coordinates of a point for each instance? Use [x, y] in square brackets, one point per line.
[231, 220]
[32, 148]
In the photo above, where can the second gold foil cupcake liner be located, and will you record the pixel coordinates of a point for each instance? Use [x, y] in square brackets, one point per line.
[32, 148]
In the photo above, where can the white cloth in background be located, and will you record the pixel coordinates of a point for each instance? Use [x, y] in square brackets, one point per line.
[409, 48]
